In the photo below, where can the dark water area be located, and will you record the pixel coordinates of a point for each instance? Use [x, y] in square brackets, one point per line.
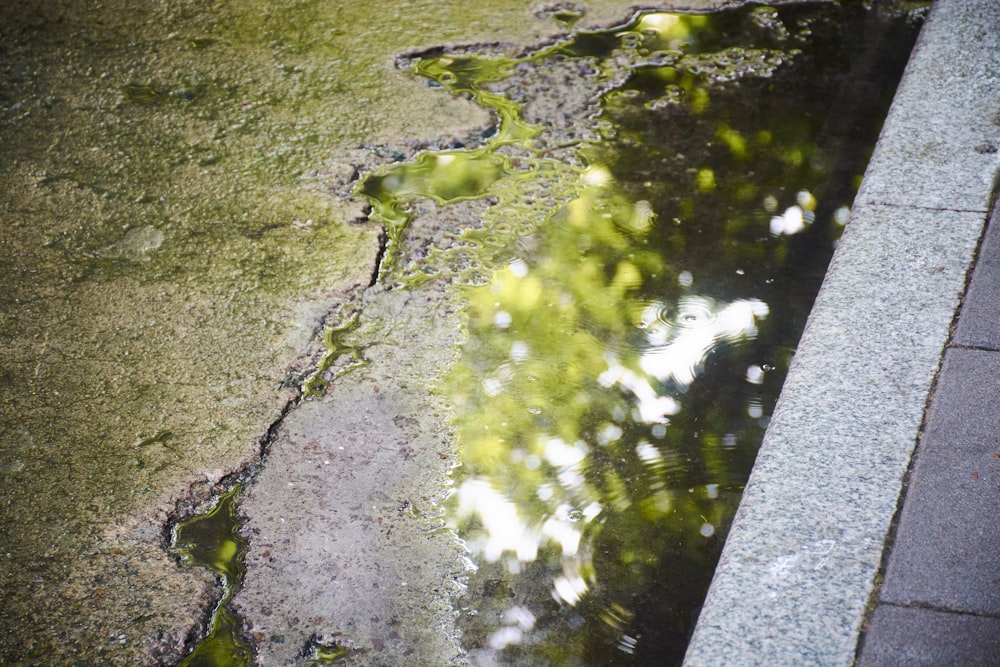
[620, 372]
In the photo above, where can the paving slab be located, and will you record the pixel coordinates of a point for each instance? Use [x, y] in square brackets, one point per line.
[911, 636]
[947, 548]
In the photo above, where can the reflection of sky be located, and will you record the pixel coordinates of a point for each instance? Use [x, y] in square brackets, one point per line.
[678, 348]
[795, 218]
[505, 531]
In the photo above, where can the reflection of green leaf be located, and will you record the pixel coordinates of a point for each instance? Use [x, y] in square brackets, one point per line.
[619, 370]
[446, 177]
[212, 540]
[326, 654]
[221, 648]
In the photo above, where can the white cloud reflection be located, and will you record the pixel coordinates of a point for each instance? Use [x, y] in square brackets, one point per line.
[678, 348]
[506, 532]
[504, 529]
[652, 406]
[508, 535]
[517, 621]
[701, 325]
[795, 218]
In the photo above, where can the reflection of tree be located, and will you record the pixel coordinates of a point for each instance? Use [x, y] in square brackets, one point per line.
[573, 452]
[619, 370]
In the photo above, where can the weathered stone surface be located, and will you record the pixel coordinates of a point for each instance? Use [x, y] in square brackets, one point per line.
[176, 209]
[177, 221]
[345, 547]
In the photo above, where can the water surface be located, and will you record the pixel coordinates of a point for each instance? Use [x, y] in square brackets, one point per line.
[620, 370]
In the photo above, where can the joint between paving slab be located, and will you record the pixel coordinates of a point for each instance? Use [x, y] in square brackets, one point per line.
[952, 329]
[383, 246]
[188, 506]
[941, 209]
[978, 348]
[938, 608]
[243, 474]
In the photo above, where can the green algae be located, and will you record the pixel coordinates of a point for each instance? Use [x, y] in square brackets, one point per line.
[646, 51]
[327, 654]
[212, 540]
[339, 357]
[142, 94]
[219, 132]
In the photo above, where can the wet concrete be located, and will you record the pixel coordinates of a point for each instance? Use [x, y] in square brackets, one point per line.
[347, 544]
[347, 550]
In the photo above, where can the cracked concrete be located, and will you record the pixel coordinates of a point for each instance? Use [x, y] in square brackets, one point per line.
[345, 545]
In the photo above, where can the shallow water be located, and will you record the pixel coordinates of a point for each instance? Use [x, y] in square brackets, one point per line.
[212, 541]
[620, 371]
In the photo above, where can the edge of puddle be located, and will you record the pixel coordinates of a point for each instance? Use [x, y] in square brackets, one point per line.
[802, 558]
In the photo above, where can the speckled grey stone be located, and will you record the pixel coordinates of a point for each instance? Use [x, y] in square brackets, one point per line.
[979, 323]
[903, 636]
[940, 147]
[798, 567]
[947, 548]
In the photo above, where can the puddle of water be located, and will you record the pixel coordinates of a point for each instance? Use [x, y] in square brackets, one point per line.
[212, 540]
[621, 369]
